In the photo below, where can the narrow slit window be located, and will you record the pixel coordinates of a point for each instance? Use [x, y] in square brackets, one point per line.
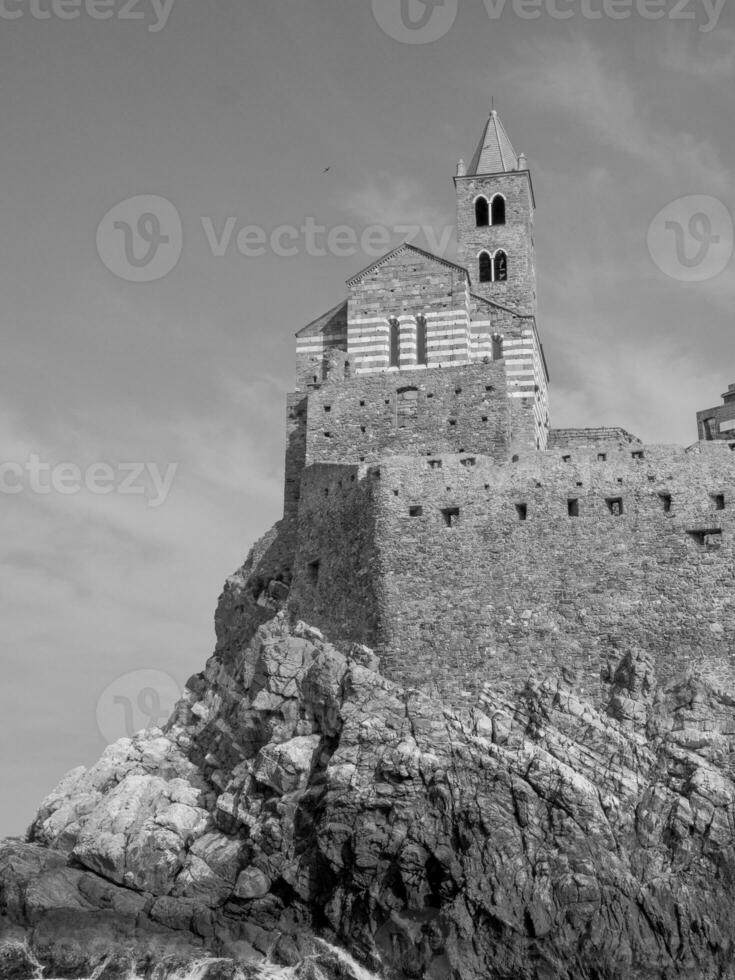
[573, 507]
[500, 267]
[482, 212]
[718, 501]
[486, 267]
[312, 572]
[522, 511]
[422, 343]
[394, 342]
[665, 499]
[498, 210]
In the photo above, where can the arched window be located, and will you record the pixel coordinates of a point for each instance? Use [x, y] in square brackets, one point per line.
[498, 210]
[486, 267]
[422, 345]
[497, 347]
[395, 342]
[500, 267]
[482, 212]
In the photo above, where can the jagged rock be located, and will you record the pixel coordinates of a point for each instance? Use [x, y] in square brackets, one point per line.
[297, 792]
[17, 962]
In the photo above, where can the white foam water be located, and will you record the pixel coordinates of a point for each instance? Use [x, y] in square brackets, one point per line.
[263, 971]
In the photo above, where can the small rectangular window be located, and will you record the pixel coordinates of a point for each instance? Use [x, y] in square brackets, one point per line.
[435, 464]
[638, 454]
[312, 572]
[415, 511]
[450, 515]
[573, 507]
[327, 435]
[468, 461]
[522, 511]
[484, 418]
[566, 459]
[718, 500]
[711, 538]
[362, 404]
[327, 408]
[452, 422]
[665, 499]
[615, 506]
[601, 457]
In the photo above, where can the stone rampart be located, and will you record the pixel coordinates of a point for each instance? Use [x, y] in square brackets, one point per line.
[463, 570]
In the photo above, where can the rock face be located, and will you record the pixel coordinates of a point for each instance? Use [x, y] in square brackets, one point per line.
[296, 793]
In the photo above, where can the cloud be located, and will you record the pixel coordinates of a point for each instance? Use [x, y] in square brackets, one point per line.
[598, 96]
[707, 57]
[396, 203]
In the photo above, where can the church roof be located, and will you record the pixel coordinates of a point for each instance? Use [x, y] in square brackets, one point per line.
[405, 247]
[327, 323]
[494, 153]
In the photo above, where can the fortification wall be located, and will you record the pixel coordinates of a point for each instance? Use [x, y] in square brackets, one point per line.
[337, 573]
[473, 571]
[365, 418]
[538, 571]
[579, 438]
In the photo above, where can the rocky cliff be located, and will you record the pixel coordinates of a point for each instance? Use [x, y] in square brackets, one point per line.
[298, 803]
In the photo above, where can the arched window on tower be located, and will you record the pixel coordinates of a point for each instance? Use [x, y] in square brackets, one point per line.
[500, 267]
[394, 343]
[422, 344]
[482, 212]
[486, 267]
[498, 210]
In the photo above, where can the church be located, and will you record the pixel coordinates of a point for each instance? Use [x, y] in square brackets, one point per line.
[432, 513]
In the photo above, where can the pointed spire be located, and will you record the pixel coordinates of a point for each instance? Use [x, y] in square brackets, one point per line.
[494, 153]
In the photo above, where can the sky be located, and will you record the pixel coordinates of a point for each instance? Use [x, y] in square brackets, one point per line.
[142, 403]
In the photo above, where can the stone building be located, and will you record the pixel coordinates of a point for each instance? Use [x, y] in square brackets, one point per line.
[719, 422]
[431, 512]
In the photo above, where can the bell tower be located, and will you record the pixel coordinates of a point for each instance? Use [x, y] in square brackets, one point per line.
[495, 214]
